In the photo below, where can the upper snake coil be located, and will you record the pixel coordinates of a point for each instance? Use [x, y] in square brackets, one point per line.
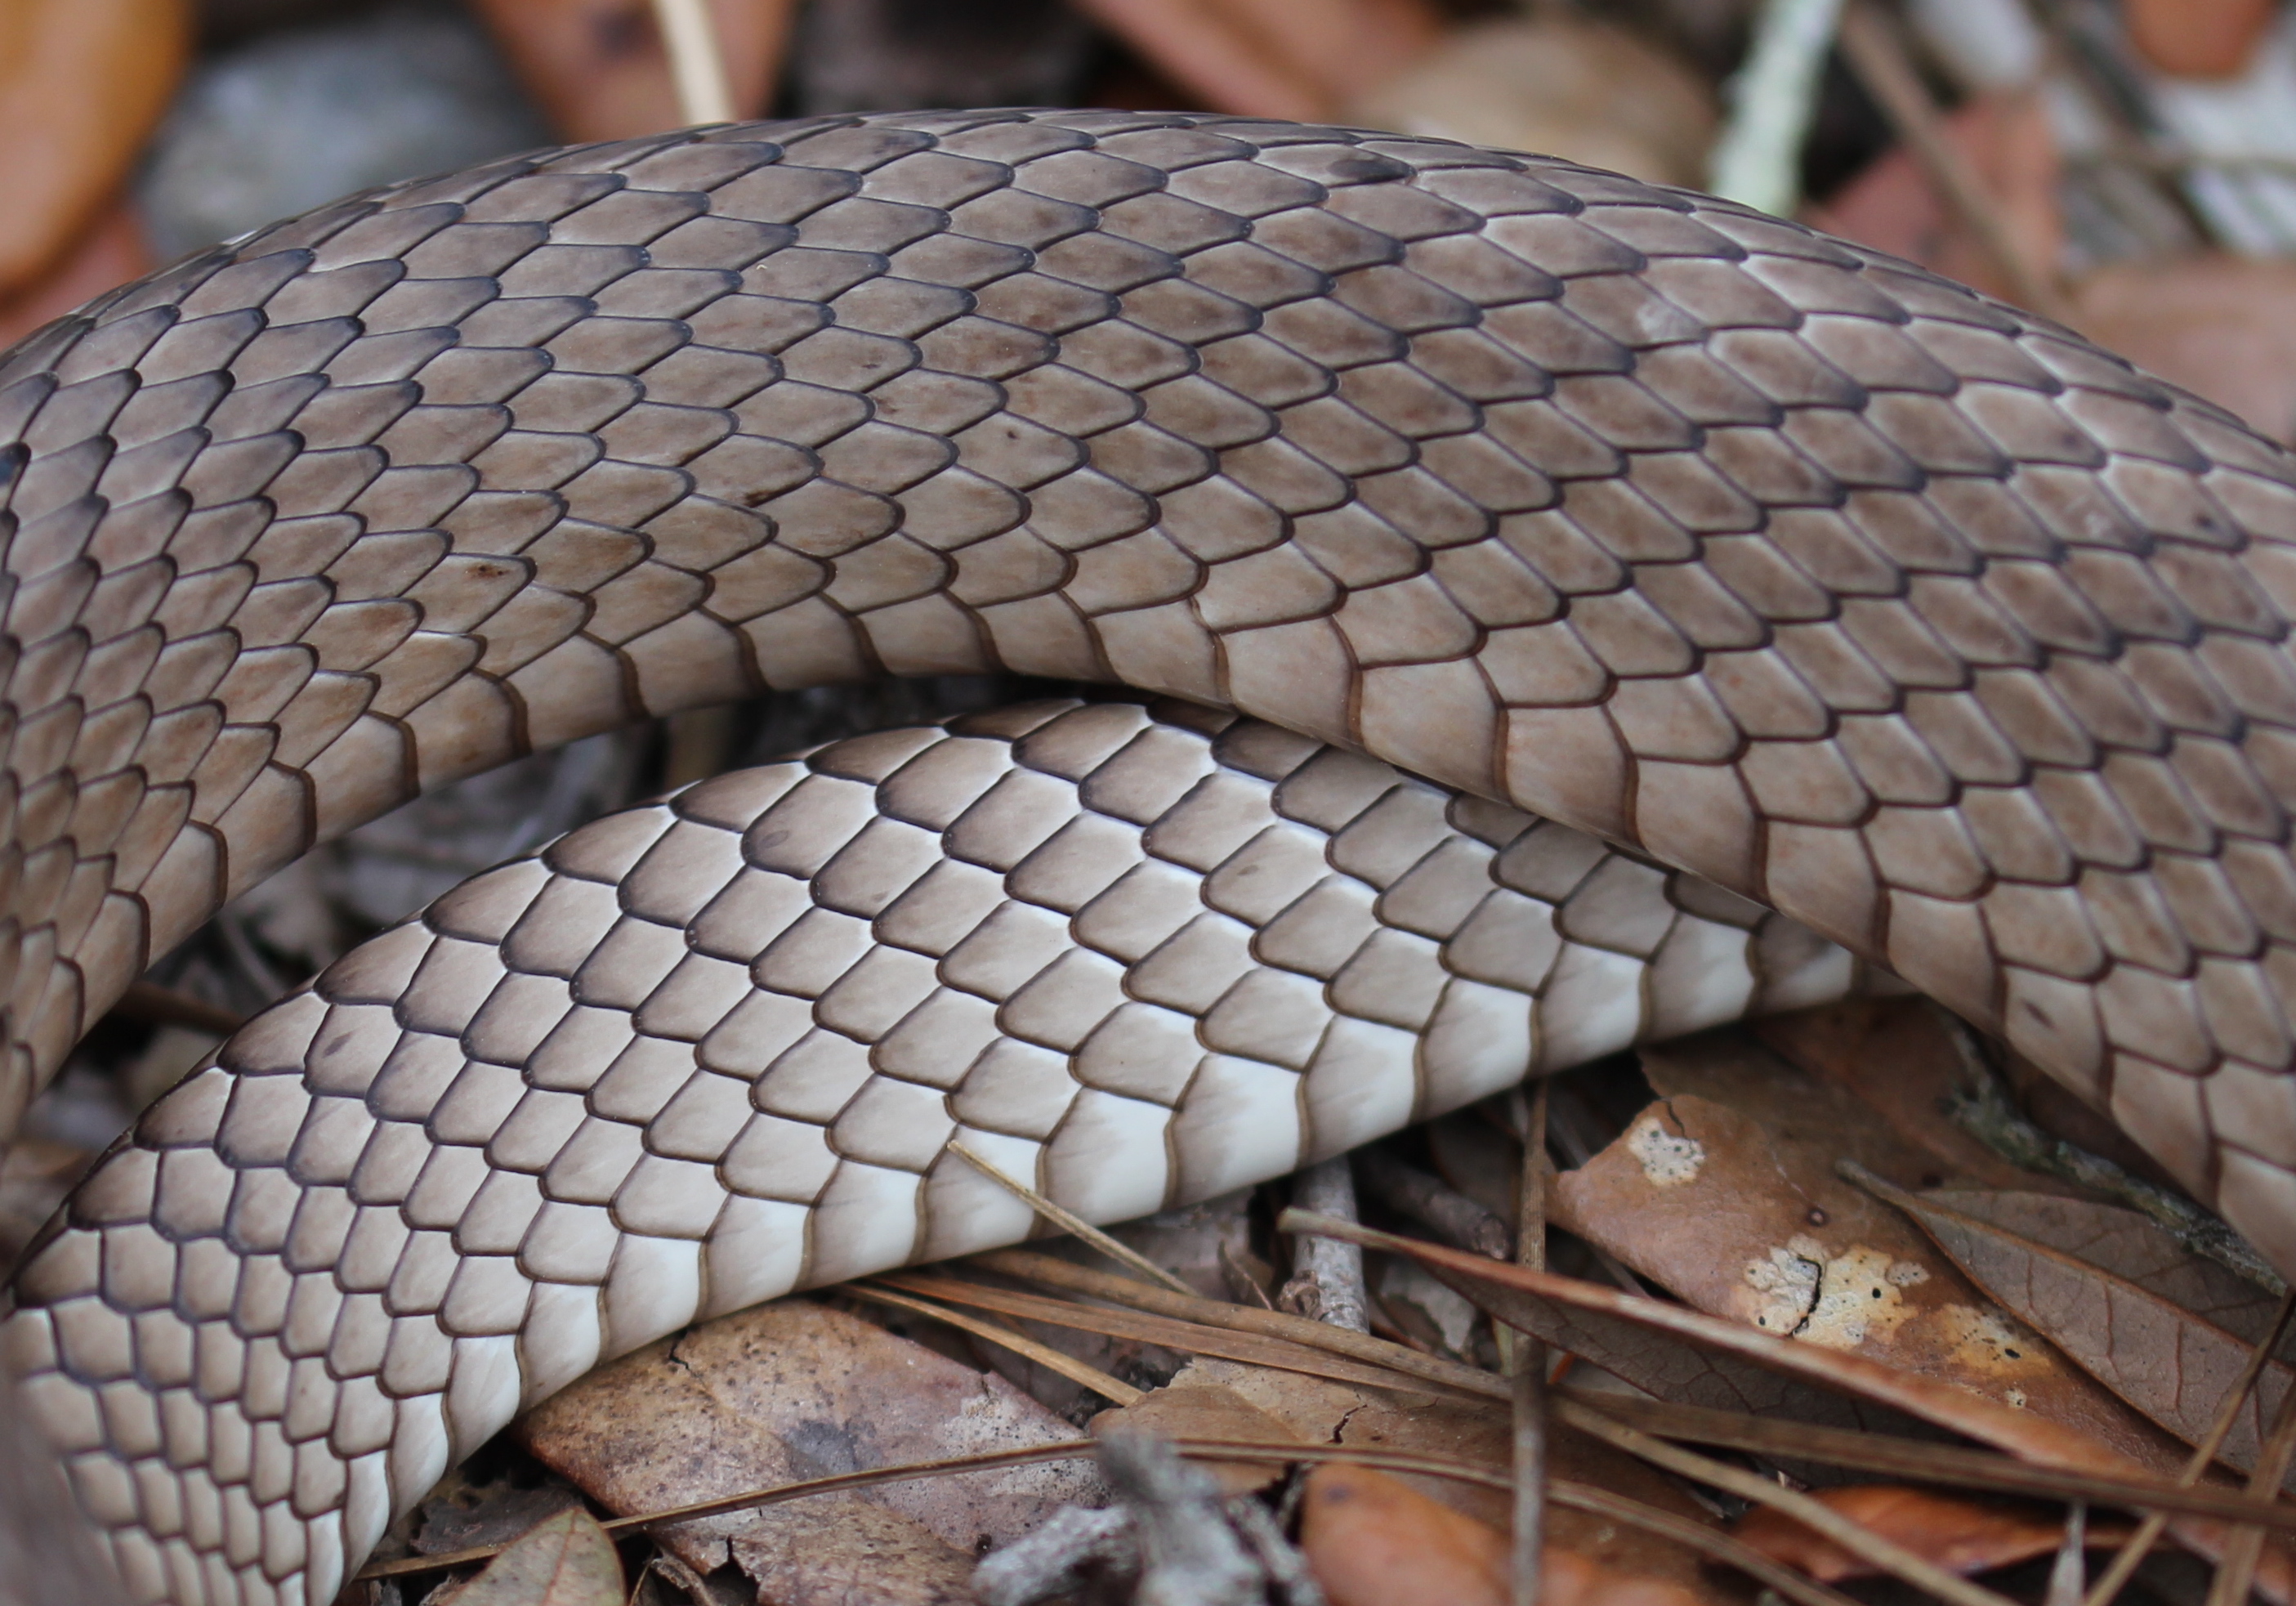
[1851, 593]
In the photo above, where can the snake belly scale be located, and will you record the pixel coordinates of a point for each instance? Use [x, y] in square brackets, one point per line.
[1597, 568]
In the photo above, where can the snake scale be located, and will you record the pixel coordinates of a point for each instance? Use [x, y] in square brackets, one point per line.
[1584, 612]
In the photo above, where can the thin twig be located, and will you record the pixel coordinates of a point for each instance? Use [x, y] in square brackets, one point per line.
[2236, 1566]
[697, 66]
[1427, 1200]
[147, 1001]
[1044, 1354]
[1068, 1220]
[1870, 44]
[1327, 1275]
[1529, 1359]
[2072, 1557]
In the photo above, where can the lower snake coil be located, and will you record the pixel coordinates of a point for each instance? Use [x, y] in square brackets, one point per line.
[1582, 612]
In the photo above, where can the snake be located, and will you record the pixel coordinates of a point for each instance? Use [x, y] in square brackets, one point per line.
[1549, 612]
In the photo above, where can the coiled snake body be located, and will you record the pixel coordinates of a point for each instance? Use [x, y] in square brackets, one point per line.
[1847, 592]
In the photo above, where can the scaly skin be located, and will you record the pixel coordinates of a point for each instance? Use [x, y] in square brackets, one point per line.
[1854, 595]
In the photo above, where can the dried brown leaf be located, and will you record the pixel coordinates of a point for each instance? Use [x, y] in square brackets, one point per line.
[2218, 324]
[82, 84]
[1375, 1541]
[1485, 1438]
[1896, 1057]
[1316, 1410]
[793, 1391]
[562, 1561]
[463, 1513]
[109, 251]
[2127, 1244]
[1964, 1535]
[1679, 1370]
[1372, 1541]
[1867, 1078]
[1558, 82]
[1193, 1405]
[1894, 206]
[2166, 1361]
[830, 1551]
[2198, 38]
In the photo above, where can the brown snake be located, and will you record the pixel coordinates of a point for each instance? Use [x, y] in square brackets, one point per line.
[1853, 595]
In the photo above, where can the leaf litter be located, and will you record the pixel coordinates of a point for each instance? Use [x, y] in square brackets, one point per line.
[794, 1390]
[1695, 1453]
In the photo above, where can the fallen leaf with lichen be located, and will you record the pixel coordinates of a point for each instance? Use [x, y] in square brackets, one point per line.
[1730, 1201]
[1961, 1535]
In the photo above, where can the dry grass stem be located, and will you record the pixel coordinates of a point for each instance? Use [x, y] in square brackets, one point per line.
[1112, 1389]
[1530, 1362]
[2140, 1545]
[1863, 1543]
[1069, 1221]
[1070, 1278]
[697, 66]
[1188, 1338]
[2236, 1568]
[1869, 45]
[1917, 1460]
